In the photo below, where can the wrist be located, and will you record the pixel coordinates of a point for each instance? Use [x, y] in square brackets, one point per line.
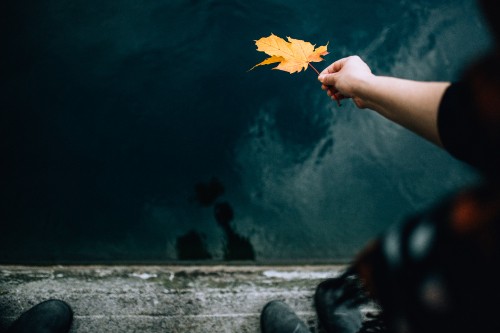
[362, 90]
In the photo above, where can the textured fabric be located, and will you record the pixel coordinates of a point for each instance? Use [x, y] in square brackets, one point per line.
[438, 271]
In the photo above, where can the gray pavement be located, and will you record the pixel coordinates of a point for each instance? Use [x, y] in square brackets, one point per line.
[162, 298]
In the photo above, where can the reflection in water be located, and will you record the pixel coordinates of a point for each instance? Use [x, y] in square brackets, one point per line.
[191, 246]
[207, 193]
[236, 246]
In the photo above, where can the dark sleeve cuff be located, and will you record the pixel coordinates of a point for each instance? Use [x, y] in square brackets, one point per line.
[458, 126]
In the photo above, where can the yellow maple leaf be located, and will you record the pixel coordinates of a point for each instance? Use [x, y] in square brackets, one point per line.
[293, 56]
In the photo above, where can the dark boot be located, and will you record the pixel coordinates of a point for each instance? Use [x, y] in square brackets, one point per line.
[277, 317]
[52, 316]
[338, 304]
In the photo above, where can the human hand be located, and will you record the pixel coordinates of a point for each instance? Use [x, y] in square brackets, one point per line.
[342, 79]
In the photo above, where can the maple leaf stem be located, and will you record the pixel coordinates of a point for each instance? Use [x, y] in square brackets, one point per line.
[313, 68]
[334, 96]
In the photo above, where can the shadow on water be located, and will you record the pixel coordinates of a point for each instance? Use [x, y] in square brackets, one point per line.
[191, 246]
[236, 246]
[207, 193]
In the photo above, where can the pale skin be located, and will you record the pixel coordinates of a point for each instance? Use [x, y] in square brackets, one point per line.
[411, 104]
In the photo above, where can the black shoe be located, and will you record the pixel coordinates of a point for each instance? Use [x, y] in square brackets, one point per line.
[52, 316]
[338, 304]
[277, 317]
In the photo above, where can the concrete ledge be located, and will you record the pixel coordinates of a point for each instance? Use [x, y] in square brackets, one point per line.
[162, 298]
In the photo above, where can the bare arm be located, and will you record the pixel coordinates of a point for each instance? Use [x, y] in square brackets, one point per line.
[412, 104]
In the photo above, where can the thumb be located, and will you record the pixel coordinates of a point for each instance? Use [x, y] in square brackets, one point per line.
[327, 79]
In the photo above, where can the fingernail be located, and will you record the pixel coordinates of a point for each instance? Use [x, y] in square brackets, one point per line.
[321, 77]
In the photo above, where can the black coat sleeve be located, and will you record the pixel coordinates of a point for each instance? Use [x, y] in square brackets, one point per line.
[461, 130]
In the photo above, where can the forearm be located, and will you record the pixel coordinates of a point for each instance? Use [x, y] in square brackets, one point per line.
[412, 104]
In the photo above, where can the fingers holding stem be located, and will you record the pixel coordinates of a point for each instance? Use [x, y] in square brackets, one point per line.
[335, 95]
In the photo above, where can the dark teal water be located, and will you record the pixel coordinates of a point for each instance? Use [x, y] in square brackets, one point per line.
[131, 130]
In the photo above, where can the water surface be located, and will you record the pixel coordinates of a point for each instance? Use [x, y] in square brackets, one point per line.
[131, 130]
